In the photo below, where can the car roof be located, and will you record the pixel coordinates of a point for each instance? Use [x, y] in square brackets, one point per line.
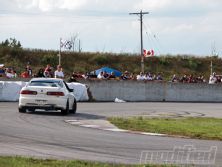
[46, 79]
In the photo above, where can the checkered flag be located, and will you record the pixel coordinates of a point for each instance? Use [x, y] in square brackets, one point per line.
[66, 44]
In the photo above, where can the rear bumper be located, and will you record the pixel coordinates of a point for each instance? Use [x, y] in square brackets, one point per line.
[47, 104]
[45, 107]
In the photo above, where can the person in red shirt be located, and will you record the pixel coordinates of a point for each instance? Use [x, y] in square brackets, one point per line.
[25, 74]
[48, 71]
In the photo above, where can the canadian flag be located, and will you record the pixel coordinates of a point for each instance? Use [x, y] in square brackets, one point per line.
[148, 53]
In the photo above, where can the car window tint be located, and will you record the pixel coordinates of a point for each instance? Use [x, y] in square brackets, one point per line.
[60, 84]
[45, 83]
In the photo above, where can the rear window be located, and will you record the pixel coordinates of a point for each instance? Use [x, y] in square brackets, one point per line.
[46, 83]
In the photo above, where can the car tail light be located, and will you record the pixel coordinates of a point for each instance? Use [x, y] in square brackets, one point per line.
[28, 92]
[55, 93]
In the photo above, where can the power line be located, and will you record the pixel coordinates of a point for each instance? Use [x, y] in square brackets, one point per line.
[153, 39]
[141, 13]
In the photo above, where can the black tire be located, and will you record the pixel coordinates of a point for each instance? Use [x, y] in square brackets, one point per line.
[22, 110]
[74, 107]
[32, 110]
[66, 110]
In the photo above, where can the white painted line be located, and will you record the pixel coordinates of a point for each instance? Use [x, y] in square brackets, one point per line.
[75, 123]
[116, 130]
[90, 126]
[71, 120]
[81, 124]
[152, 134]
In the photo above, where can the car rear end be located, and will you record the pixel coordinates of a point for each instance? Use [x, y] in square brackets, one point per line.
[37, 97]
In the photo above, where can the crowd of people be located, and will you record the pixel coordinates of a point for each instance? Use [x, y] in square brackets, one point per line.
[103, 75]
[49, 72]
[46, 72]
[7, 72]
[188, 79]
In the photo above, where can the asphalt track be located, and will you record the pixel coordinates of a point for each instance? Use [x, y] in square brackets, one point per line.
[47, 135]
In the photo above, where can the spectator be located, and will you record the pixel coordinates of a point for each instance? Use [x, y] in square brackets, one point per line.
[77, 75]
[159, 77]
[86, 75]
[125, 76]
[14, 73]
[25, 74]
[73, 77]
[2, 70]
[132, 76]
[105, 75]
[191, 79]
[29, 70]
[100, 75]
[140, 77]
[48, 71]
[218, 79]
[200, 79]
[174, 78]
[80, 75]
[184, 79]
[203, 79]
[213, 78]
[40, 73]
[59, 73]
[92, 75]
[9, 73]
[112, 76]
[148, 77]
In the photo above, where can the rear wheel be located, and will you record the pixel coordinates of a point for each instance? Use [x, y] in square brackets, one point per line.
[32, 109]
[22, 110]
[66, 110]
[74, 107]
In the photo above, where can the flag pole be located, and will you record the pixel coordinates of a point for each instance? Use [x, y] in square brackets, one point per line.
[60, 40]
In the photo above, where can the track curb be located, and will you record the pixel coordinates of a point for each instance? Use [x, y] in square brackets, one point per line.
[81, 123]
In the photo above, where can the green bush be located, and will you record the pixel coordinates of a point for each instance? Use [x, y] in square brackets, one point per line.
[50, 59]
[100, 59]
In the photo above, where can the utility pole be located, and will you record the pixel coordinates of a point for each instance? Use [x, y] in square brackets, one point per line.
[60, 42]
[213, 53]
[140, 14]
[80, 49]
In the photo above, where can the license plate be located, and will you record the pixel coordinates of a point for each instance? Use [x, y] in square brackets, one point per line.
[41, 102]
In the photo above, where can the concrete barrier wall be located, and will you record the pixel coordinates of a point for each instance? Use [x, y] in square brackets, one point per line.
[9, 90]
[139, 91]
[135, 91]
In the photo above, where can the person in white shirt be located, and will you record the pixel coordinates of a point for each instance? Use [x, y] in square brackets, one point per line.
[140, 77]
[149, 77]
[213, 79]
[9, 73]
[59, 73]
[100, 75]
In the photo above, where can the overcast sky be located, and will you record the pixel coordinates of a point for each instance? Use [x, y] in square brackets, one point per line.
[172, 27]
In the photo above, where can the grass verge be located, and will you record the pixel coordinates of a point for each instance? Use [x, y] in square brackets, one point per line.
[31, 162]
[199, 128]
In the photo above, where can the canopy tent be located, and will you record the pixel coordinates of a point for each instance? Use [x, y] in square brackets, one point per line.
[108, 70]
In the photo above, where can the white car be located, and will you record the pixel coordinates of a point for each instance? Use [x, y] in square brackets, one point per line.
[47, 94]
